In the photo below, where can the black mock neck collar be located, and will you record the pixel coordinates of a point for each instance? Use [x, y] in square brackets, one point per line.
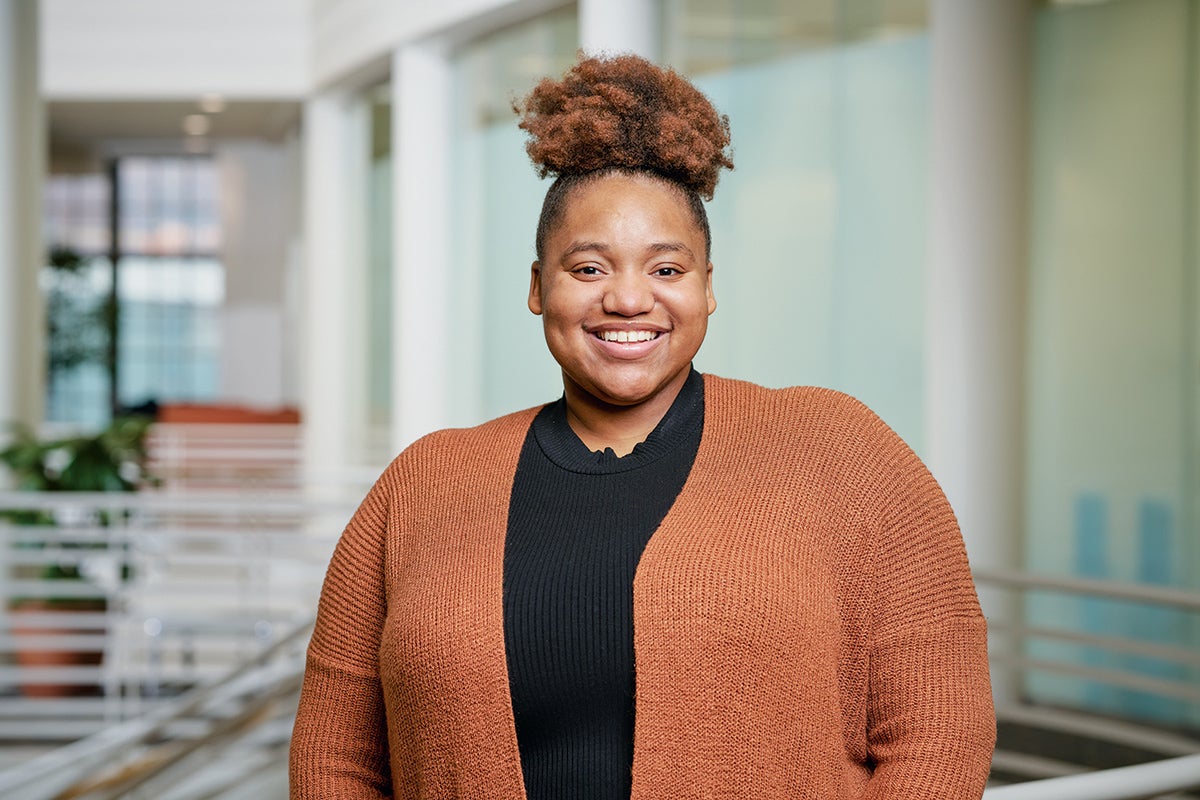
[562, 446]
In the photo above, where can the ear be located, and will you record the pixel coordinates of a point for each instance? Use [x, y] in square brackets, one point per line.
[712, 300]
[535, 288]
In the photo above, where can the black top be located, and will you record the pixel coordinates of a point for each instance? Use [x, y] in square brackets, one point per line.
[577, 525]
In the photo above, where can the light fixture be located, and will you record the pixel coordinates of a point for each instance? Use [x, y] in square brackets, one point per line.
[196, 124]
[212, 103]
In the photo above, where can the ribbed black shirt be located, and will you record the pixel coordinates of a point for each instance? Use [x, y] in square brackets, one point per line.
[577, 525]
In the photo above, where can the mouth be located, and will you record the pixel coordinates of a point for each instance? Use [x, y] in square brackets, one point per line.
[627, 337]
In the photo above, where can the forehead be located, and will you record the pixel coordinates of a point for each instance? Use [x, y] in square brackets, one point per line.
[620, 208]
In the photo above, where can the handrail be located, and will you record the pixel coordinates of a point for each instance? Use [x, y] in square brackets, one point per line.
[189, 502]
[1176, 689]
[1112, 644]
[188, 584]
[1117, 731]
[59, 769]
[155, 765]
[1120, 783]
[1114, 590]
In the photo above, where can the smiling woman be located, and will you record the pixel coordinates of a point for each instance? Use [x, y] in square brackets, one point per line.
[665, 584]
[624, 294]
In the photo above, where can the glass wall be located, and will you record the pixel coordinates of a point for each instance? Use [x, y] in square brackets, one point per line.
[702, 36]
[819, 231]
[1112, 446]
[501, 361]
[77, 285]
[170, 281]
[147, 331]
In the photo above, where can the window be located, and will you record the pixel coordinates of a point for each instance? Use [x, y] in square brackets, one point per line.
[497, 199]
[170, 282]
[77, 285]
[133, 308]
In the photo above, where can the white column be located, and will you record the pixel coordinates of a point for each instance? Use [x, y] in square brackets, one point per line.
[976, 282]
[333, 352]
[254, 177]
[620, 26]
[22, 166]
[421, 319]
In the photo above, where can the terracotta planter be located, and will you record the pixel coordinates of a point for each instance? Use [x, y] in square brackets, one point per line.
[32, 657]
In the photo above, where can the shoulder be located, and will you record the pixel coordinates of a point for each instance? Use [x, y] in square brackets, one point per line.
[458, 451]
[495, 432]
[811, 410]
[805, 427]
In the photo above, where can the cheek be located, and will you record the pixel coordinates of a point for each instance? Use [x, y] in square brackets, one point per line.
[694, 306]
[565, 302]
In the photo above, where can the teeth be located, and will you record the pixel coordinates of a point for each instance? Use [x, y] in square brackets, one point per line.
[628, 336]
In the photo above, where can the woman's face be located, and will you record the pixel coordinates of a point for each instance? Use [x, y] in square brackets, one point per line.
[625, 290]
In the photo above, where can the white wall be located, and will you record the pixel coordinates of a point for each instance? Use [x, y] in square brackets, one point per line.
[259, 187]
[242, 48]
[150, 49]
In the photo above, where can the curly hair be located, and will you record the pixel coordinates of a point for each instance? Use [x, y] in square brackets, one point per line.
[626, 114]
[624, 111]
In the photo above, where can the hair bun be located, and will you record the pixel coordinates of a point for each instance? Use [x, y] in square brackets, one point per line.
[625, 112]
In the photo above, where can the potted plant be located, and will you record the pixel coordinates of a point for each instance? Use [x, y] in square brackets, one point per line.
[79, 319]
[112, 460]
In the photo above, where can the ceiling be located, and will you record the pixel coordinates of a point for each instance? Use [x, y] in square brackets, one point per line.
[91, 126]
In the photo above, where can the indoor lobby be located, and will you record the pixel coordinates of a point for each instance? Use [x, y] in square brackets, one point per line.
[251, 251]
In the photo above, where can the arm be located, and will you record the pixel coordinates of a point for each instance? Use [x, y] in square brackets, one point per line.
[930, 723]
[339, 743]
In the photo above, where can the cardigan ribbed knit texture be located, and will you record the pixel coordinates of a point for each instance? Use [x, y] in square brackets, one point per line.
[805, 625]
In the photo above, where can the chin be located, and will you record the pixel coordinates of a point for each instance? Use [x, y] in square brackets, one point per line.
[624, 393]
[624, 399]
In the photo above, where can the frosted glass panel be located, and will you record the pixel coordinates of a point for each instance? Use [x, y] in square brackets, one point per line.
[1112, 406]
[716, 35]
[517, 370]
[819, 232]
[500, 356]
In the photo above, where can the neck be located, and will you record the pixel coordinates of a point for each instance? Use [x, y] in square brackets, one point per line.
[601, 425]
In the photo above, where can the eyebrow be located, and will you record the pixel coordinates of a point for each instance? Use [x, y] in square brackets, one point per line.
[601, 247]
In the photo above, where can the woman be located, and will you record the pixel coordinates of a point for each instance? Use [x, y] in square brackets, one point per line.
[774, 571]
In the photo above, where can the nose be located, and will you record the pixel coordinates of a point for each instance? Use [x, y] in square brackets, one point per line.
[628, 294]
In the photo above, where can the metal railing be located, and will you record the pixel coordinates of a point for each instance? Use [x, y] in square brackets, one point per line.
[159, 754]
[176, 590]
[226, 455]
[1153, 779]
[1119, 783]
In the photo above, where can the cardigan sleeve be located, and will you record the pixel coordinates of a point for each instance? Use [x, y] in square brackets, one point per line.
[930, 722]
[339, 742]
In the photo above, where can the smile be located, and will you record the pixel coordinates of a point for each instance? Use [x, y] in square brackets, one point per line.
[627, 336]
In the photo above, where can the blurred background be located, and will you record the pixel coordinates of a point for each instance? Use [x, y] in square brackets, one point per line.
[249, 251]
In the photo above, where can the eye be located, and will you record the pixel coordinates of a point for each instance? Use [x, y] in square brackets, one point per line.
[587, 269]
[667, 272]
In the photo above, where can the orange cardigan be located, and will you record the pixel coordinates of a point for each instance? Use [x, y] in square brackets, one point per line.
[805, 625]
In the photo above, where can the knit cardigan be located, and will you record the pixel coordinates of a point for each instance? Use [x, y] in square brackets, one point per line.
[805, 625]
